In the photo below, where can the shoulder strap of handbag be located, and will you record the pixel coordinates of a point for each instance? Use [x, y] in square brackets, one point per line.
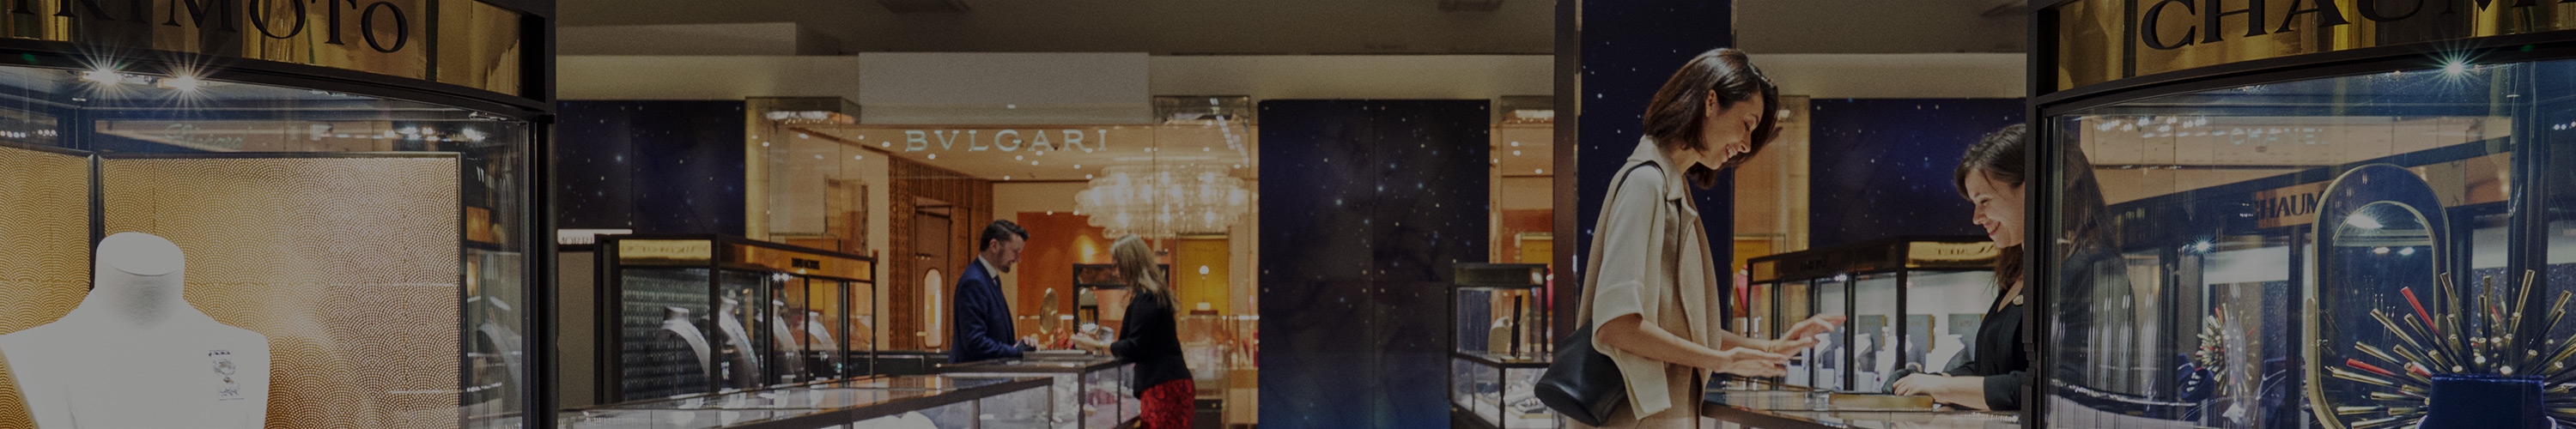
[1592, 258]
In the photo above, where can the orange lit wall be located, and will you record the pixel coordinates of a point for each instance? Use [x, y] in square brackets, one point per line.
[1520, 221]
[1212, 289]
[1056, 242]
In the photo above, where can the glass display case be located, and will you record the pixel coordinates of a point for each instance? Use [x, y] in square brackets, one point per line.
[700, 314]
[242, 231]
[906, 402]
[2354, 232]
[1501, 348]
[1912, 302]
[1090, 392]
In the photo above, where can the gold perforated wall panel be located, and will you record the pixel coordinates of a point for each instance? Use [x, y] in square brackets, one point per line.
[348, 265]
[44, 233]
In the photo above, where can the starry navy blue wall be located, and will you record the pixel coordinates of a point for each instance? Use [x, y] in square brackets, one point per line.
[1887, 163]
[650, 166]
[1628, 49]
[1365, 206]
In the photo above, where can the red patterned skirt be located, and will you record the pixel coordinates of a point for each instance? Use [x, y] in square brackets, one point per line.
[1168, 405]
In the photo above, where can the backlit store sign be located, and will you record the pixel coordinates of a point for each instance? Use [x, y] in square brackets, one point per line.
[463, 42]
[1006, 140]
[2104, 40]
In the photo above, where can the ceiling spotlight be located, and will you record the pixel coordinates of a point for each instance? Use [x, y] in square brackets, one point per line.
[182, 83]
[101, 76]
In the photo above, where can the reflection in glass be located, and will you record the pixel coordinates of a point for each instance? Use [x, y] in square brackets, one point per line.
[2267, 252]
[1944, 311]
[1833, 358]
[1796, 304]
[1873, 330]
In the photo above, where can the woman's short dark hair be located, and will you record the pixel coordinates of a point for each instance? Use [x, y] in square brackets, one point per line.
[1673, 119]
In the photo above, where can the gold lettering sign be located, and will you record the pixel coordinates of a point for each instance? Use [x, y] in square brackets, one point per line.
[475, 44]
[2104, 40]
[2287, 206]
[801, 262]
[2472, 181]
[665, 252]
[1950, 255]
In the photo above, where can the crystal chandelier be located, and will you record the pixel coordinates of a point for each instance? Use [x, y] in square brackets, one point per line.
[1164, 201]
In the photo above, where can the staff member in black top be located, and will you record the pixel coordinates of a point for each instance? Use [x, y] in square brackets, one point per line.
[1150, 337]
[1991, 175]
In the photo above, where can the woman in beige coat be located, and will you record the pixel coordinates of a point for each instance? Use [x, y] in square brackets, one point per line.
[1653, 289]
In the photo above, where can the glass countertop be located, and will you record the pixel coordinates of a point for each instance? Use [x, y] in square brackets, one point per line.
[1815, 408]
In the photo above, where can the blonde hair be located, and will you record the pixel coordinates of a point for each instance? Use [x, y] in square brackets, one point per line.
[1136, 266]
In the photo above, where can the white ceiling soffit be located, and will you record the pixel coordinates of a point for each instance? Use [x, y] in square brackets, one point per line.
[1471, 5]
[1004, 88]
[1880, 26]
[1163, 27]
[924, 6]
[758, 38]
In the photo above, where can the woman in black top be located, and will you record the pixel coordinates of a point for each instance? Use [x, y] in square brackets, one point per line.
[1150, 337]
[1991, 176]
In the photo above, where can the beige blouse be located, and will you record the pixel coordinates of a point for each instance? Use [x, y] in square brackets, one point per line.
[1650, 257]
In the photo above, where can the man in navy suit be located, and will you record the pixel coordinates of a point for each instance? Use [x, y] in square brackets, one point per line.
[983, 325]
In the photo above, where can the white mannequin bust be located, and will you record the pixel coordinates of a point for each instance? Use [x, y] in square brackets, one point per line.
[135, 354]
[788, 351]
[780, 332]
[675, 322]
[746, 362]
[821, 334]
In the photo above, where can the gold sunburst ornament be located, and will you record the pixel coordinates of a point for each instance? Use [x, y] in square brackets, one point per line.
[2447, 339]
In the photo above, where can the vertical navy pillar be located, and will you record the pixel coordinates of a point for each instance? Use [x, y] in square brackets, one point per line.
[672, 167]
[1626, 49]
[1365, 207]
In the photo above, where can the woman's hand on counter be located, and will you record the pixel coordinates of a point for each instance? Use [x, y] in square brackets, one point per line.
[1087, 343]
[1748, 362]
[1964, 391]
[1803, 334]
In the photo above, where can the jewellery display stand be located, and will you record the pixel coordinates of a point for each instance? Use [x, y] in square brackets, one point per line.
[1501, 347]
[135, 342]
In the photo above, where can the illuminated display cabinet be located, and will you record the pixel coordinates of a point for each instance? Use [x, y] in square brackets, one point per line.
[1090, 392]
[1912, 301]
[255, 214]
[701, 314]
[901, 402]
[2340, 214]
[1501, 348]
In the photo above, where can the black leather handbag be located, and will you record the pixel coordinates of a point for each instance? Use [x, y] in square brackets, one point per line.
[1581, 383]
